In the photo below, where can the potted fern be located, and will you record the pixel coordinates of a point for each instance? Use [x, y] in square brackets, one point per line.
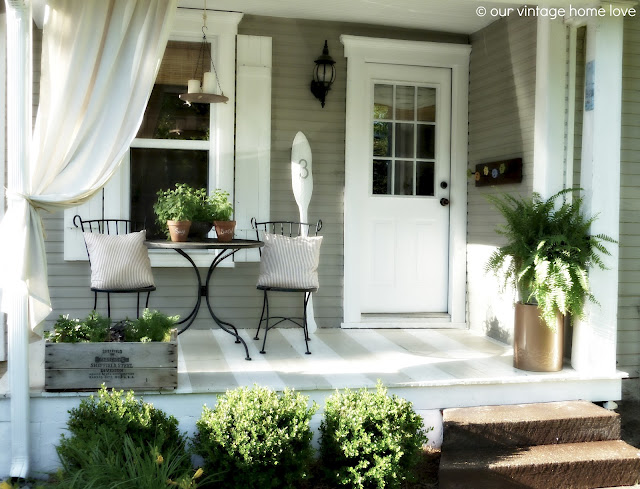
[547, 254]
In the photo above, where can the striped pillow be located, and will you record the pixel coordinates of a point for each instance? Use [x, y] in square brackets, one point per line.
[290, 262]
[119, 262]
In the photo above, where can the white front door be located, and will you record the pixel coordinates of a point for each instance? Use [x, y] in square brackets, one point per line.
[404, 191]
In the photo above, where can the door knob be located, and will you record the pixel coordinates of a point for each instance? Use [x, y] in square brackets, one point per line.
[444, 202]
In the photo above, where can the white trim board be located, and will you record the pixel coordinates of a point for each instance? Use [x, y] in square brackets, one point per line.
[362, 50]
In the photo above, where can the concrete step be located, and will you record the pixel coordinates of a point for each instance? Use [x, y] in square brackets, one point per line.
[528, 424]
[567, 466]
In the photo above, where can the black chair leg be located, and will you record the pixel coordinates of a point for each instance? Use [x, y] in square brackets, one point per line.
[138, 305]
[146, 304]
[95, 301]
[305, 329]
[264, 303]
[266, 326]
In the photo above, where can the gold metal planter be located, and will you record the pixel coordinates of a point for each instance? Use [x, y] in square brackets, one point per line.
[536, 347]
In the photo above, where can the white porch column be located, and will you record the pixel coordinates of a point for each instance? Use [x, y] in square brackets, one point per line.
[548, 155]
[3, 115]
[19, 97]
[594, 340]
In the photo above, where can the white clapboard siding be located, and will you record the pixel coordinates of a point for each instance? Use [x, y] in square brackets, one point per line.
[253, 137]
[501, 124]
[74, 247]
[629, 264]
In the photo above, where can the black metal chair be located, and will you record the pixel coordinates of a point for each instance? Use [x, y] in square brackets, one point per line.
[113, 227]
[291, 229]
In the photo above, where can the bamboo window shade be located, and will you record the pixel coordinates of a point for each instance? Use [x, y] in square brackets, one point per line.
[179, 63]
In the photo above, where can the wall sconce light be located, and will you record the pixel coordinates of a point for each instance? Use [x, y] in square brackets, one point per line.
[324, 74]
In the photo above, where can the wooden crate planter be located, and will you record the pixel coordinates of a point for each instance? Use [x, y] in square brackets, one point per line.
[86, 366]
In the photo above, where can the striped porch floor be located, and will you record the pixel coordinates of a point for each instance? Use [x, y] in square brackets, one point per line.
[435, 368]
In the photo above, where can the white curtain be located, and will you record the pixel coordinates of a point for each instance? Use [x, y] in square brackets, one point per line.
[99, 63]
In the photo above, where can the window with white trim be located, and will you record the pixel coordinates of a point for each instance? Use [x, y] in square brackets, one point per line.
[234, 155]
[173, 143]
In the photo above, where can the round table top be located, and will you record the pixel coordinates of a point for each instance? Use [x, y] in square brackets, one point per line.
[203, 244]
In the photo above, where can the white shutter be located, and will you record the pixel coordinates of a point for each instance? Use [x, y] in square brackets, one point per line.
[116, 195]
[253, 137]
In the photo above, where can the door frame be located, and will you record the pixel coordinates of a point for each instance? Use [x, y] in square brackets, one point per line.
[359, 51]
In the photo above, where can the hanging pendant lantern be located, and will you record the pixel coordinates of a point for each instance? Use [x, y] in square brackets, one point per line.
[206, 94]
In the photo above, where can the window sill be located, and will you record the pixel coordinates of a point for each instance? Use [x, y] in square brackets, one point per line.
[171, 259]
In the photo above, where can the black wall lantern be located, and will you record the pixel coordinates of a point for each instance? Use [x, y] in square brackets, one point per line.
[323, 75]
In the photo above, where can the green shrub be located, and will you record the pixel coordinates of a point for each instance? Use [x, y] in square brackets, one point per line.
[152, 326]
[370, 440]
[117, 414]
[142, 467]
[258, 438]
[93, 328]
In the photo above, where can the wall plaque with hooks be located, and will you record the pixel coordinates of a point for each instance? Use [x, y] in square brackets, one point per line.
[498, 172]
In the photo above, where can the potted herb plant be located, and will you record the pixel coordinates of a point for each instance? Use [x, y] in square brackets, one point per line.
[176, 208]
[225, 227]
[547, 254]
[141, 354]
[205, 213]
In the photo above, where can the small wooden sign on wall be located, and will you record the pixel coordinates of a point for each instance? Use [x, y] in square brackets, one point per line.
[498, 172]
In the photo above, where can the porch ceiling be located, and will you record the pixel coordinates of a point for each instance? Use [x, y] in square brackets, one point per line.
[457, 16]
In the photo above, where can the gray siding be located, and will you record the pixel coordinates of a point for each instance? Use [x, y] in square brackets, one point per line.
[629, 278]
[296, 44]
[501, 122]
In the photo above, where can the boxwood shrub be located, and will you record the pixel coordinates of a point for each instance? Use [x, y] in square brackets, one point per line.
[257, 437]
[100, 423]
[369, 439]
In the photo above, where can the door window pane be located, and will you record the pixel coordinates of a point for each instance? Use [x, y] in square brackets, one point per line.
[403, 178]
[426, 141]
[425, 174]
[154, 169]
[404, 132]
[381, 177]
[404, 141]
[426, 104]
[405, 103]
[382, 138]
[383, 102]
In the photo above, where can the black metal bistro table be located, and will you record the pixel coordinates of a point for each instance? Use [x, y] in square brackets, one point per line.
[226, 250]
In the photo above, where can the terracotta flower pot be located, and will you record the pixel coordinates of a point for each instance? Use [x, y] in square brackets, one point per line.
[225, 230]
[179, 230]
[200, 229]
[536, 347]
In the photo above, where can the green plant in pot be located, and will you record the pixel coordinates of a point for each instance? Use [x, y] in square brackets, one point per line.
[205, 213]
[176, 208]
[225, 227]
[547, 254]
